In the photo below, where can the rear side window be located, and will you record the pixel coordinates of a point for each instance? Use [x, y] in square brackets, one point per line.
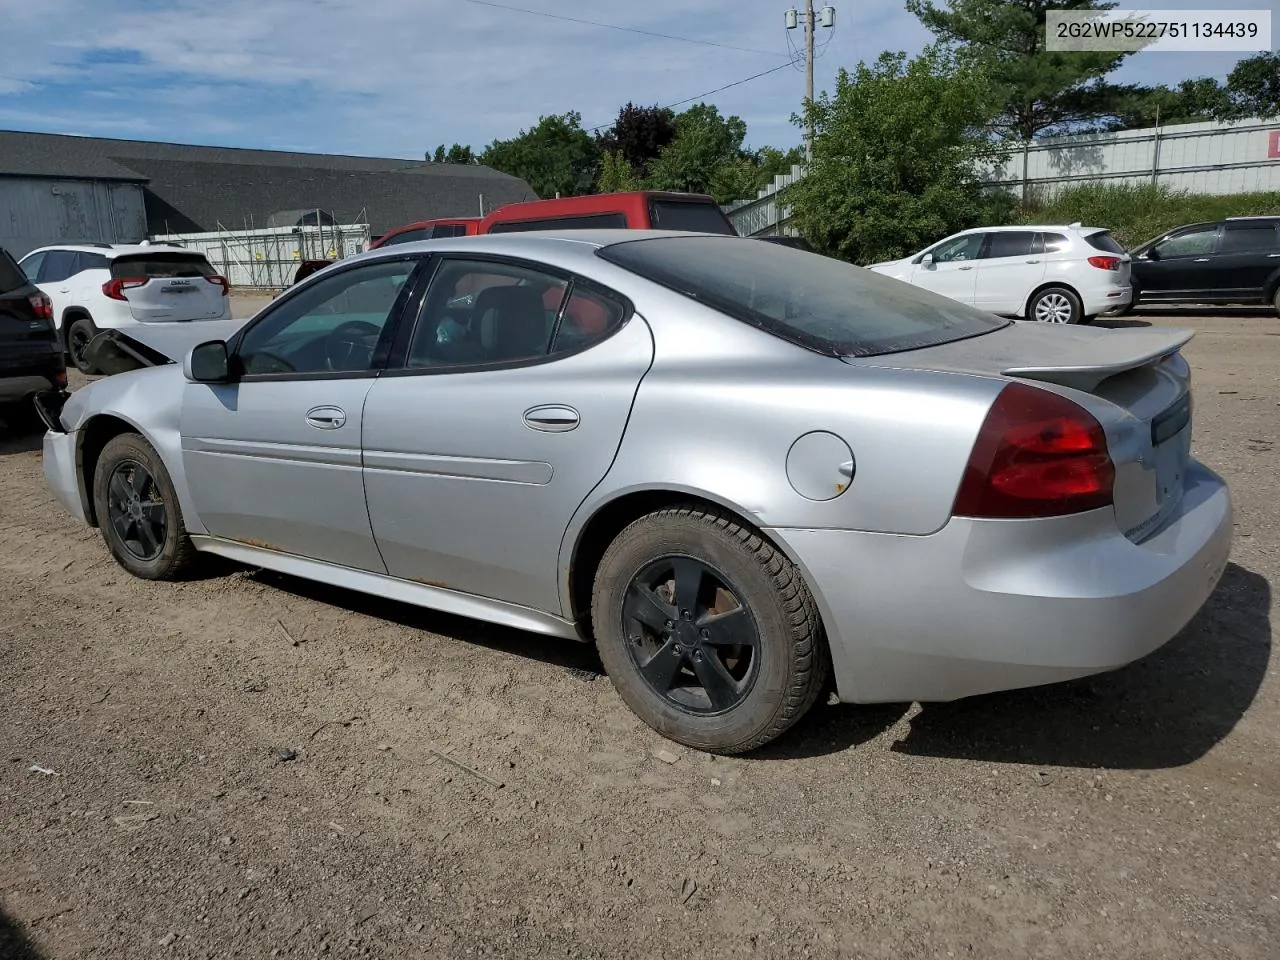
[1010, 243]
[1104, 241]
[11, 276]
[58, 265]
[820, 303]
[590, 221]
[694, 216]
[1055, 243]
[409, 236]
[90, 261]
[160, 265]
[1250, 238]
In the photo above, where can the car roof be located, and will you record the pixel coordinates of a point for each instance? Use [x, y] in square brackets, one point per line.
[1061, 227]
[113, 250]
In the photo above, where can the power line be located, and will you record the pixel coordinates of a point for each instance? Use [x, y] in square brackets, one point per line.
[614, 26]
[736, 83]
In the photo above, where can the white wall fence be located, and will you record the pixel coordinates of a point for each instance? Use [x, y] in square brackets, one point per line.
[267, 259]
[1209, 158]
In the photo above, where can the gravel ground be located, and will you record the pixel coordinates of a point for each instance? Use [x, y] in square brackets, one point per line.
[253, 766]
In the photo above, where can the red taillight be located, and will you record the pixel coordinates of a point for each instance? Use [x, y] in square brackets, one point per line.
[115, 288]
[60, 378]
[42, 306]
[1105, 263]
[1037, 455]
[222, 282]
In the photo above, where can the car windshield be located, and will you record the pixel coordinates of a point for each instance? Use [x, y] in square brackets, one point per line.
[160, 265]
[818, 302]
[11, 276]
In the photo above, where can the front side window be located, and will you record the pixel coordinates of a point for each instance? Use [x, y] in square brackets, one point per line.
[966, 247]
[331, 326]
[1193, 243]
[1010, 243]
[31, 265]
[485, 312]
[820, 303]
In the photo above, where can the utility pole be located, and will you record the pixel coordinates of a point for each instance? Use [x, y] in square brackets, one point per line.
[826, 18]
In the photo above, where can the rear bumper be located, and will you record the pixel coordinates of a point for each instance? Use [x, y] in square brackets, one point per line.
[60, 472]
[1105, 298]
[986, 605]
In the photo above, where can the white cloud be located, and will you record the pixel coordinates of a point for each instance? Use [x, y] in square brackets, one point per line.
[396, 77]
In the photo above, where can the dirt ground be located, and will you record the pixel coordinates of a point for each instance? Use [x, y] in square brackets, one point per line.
[1132, 815]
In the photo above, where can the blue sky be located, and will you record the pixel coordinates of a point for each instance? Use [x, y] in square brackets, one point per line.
[396, 77]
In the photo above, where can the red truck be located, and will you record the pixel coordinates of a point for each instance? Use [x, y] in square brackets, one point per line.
[637, 210]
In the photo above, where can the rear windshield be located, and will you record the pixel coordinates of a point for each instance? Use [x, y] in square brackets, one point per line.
[590, 221]
[409, 236]
[159, 265]
[11, 276]
[1104, 241]
[818, 302]
[694, 216]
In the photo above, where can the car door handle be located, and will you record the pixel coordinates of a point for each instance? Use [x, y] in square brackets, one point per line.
[1272, 255]
[1033, 261]
[552, 418]
[326, 418]
[64, 289]
[1200, 260]
[966, 268]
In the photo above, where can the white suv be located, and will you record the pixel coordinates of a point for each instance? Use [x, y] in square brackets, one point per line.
[102, 286]
[1052, 274]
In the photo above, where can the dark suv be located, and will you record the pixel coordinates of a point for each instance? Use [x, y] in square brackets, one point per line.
[31, 359]
[1236, 260]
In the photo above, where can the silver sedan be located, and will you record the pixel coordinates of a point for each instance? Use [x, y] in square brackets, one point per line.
[749, 474]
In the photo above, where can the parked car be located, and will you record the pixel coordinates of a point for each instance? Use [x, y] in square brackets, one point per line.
[633, 210]
[428, 230]
[765, 466]
[101, 286]
[1236, 260]
[1053, 274]
[30, 357]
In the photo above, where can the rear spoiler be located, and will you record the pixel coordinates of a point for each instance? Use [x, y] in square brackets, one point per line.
[1121, 350]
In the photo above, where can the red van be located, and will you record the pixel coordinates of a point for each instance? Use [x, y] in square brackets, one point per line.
[637, 210]
[428, 230]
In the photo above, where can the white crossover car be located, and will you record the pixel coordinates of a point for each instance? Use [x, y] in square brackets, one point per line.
[103, 286]
[1051, 274]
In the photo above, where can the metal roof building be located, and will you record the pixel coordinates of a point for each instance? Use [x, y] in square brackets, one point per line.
[56, 188]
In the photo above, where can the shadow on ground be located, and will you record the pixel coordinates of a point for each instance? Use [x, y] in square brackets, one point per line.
[1166, 710]
[19, 438]
[14, 944]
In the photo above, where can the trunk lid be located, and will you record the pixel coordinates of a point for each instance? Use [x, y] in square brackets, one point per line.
[163, 286]
[1135, 381]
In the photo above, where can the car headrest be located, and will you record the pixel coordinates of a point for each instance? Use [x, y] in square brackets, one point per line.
[513, 322]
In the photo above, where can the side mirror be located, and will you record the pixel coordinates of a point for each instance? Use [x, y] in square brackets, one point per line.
[208, 363]
[926, 260]
[1153, 253]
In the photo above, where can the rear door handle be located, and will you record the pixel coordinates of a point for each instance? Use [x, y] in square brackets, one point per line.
[1033, 261]
[1270, 255]
[326, 418]
[1201, 260]
[966, 268]
[552, 418]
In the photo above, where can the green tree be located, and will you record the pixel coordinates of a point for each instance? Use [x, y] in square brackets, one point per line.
[454, 154]
[1253, 87]
[1040, 92]
[554, 156]
[616, 175]
[704, 157]
[897, 157]
[770, 161]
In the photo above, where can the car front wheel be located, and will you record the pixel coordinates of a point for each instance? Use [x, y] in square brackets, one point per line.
[1055, 305]
[708, 632]
[138, 512]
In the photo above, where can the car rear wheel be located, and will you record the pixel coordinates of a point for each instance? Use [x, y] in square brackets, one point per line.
[707, 632]
[1055, 305]
[138, 512]
[1275, 299]
[79, 335]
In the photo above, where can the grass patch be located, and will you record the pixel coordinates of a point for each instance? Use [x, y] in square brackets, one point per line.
[1137, 212]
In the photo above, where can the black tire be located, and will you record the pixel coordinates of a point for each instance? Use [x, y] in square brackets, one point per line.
[1275, 299]
[781, 675]
[166, 553]
[79, 334]
[1058, 302]
[1127, 308]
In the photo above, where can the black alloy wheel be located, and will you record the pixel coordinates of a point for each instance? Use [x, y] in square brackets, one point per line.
[136, 510]
[690, 635]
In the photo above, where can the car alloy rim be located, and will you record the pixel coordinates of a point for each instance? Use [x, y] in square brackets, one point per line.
[695, 643]
[79, 341]
[136, 512]
[1054, 308]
